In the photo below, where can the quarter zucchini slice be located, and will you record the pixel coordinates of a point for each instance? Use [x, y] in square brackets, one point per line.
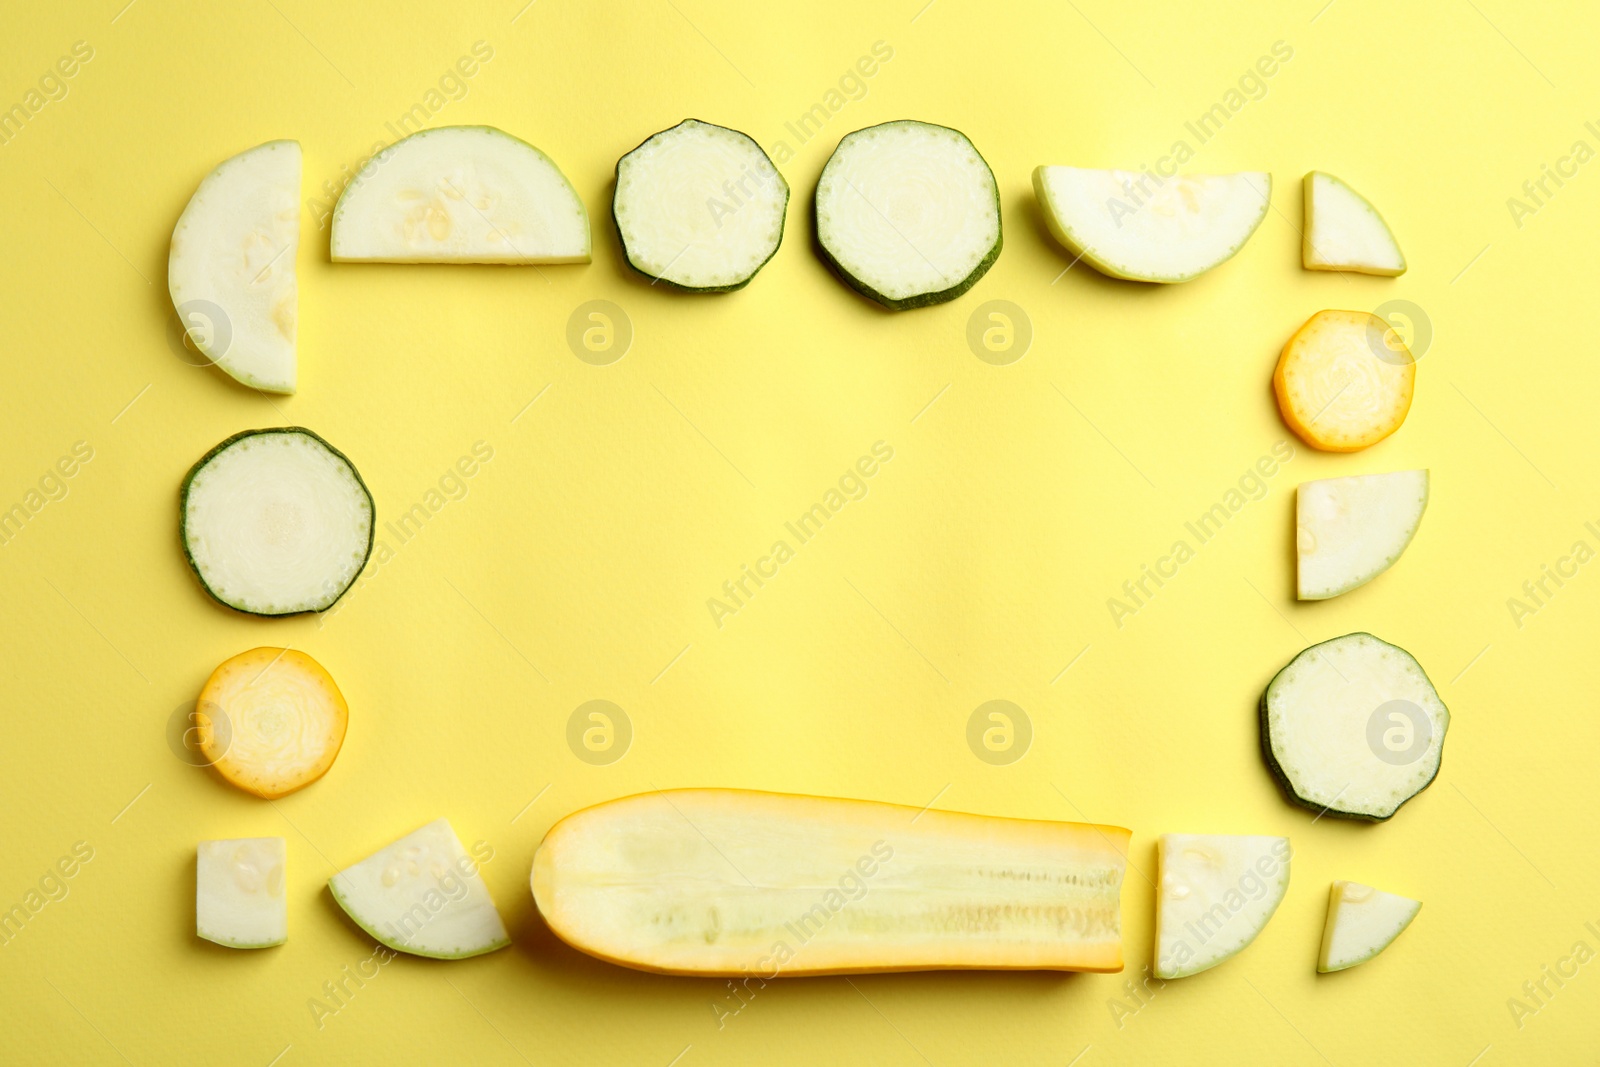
[275, 522]
[1350, 530]
[275, 721]
[231, 269]
[460, 194]
[699, 207]
[1345, 232]
[1352, 727]
[238, 892]
[1139, 226]
[423, 895]
[1362, 922]
[908, 213]
[1215, 894]
[732, 882]
[1344, 381]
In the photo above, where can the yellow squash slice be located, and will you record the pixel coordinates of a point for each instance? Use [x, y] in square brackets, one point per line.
[274, 721]
[1344, 381]
[733, 882]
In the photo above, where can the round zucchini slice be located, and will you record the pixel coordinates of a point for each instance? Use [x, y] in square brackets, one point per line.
[699, 207]
[1352, 727]
[908, 213]
[276, 522]
[277, 721]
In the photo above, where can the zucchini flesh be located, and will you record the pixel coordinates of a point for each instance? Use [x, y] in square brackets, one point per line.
[731, 882]
[231, 268]
[422, 895]
[1216, 894]
[908, 213]
[1350, 530]
[1362, 922]
[1352, 727]
[239, 900]
[276, 522]
[277, 721]
[1345, 232]
[1145, 228]
[699, 207]
[1344, 381]
[460, 194]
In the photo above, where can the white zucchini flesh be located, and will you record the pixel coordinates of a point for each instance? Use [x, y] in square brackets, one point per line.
[1215, 893]
[1352, 727]
[699, 206]
[276, 522]
[239, 892]
[1143, 227]
[460, 194]
[1343, 231]
[423, 895]
[1362, 922]
[908, 213]
[1350, 530]
[231, 268]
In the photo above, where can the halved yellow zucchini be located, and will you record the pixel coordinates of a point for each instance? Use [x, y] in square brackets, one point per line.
[275, 721]
[735, 882]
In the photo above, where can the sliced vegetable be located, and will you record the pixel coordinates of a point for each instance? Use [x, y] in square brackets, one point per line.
[1344, 381]
[1362, 922]
[730, 882]
[460, 194]
[1145, 228]
[699, 207]
[1350, 530]
[238, 897]
[1345, 232]
[231, 268]
[423, 895]
[1216, 893]
[908, 213]
[1352, 727]
[277, 721]
[275, 522]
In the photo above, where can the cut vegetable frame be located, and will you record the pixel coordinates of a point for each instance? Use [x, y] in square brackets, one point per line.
[1362, 922]
[1143, 227]
[1343, 231]
[699, 207]
[1350, 530]
[1344, 381]
[1353, 728]
[277, 721]
[1215, 894]
[460, 194]
[734, 882]
[907, 213]
[239, 897]
[423, 895]
[275, 522]
[231, 266]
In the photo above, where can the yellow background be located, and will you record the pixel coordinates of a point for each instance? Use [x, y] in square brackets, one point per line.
[977, 568]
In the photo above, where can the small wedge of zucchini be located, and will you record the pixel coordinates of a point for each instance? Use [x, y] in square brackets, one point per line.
[275, 522]
[1216, 894]
[908, 213]
[727, 882]
[1362, 922]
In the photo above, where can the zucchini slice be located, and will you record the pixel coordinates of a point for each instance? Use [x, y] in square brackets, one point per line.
[1345, 232]
[278, 721]
[1139, 226]
[1352, 727]
[460, 194]
[275, 522]
[733, 882]
[238, 892]
[231, 269]
[1215, 894]
[908, 213]
[422, 895]
[1344, 381]
[1350, 530]
[1362, 922]
[699, 207]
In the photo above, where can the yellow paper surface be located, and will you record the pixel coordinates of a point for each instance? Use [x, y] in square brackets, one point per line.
[577, 564]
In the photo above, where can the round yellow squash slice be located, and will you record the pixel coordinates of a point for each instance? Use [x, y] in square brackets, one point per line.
[1344, 381]
[276, 721]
